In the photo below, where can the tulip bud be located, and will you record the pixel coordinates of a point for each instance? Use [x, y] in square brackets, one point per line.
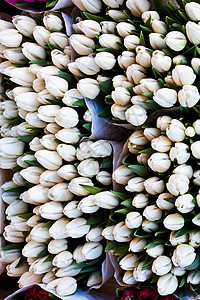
[57, 246]
[92, 250]
[52, 20]
[137, 245]
[70, 270]
[138, 7]
[49, 142]
[165, 97]
[122, 175]
[12, 235]
[48, 71]
[76, 188]
[109, 40]
[135, 73]
[32, 249]
[141, 275]
[104, 178]
[33, 51]
[17, 207]
[60, 192]
[87, 204]
[185, 203]
[8, 256]
[68, 172]
[174, 221]
[176, 40]
[133, 220]
[6, 25]
[106, 200]
[108, 26]
[66, 117]
[157, 41]
[121, 233]
[140, 200]
[136, 115]
[88, 167]
[87, 65]
[40, 234]
[105, 60]
[154, 185]
[64, 286]
[188, 96]
[194, 238]
[10, 38]
[152, 213]
[72, 96]
[107, 233]
[56, 231]
[156, 251]
[161, 265]
[53, 128]
[149, 226]
[128, 278]
[88, 88]
[192, 31]
[129, 262]
[195, 149]
[131, 42]
[71, 210]
[76, 228]
[14, 55]
[49, 178]
[33, 221]
[162, 202]
[178, 184]
[101, 149]
[63, 259]
[159, 162]
[135, 184]
[161, 144]
[126, 59]
[143, 57]
[160, 61]
[124, 29]
[32, 174]
[176, 131]
[194, 277]
[51, 210]
[22, 76]
[183, 255]
[41, 35]
[67, 152]
[179, 78]
[29, 278]
[56, 85]
[49, 159]
[117, 14]
[41, 266]
[82, 44]
[167, 284]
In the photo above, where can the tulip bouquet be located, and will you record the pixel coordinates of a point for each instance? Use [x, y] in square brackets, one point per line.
[57, 201]
[140, 60]
[155, 230]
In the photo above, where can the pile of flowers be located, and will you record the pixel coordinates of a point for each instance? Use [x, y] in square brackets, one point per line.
[56, 201]
[62, 212]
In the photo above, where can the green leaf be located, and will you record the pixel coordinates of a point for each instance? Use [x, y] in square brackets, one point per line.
[170, 200]
[93, 17]
[162, 9]
[157, 74]
[106, 86]
[183, 15]
[164, 231]
[53, 47]
[88, 263]
[21, 262]
[12, 247]
[195, 264]
[43, 253]
[147, 29]
[51, 3]
[172, 6]
[26, 138]
[106, 163]
[151, 104]
[80, 103]
[183, 281]
[142, 171]
[127, 203]
[96, 218]
[49, 258]
[55, 102]
[40, 62]
[148, 22]
[105, 113]
[141, 234]
[69, 78]
[123, 211]
[142, 39]
[92, 189]
[105, 49]
[123, 249]
[87, 126]
[154, 244]
[48, 224]
[32, 163]
[18, 190]
[111, 245]
[91, 269]
[26, 216]
[147, 151]
[128, 13]
[154, 278]
[15, 121]
[182, 231]
[147, 263]
[122, 196]
[23, 4]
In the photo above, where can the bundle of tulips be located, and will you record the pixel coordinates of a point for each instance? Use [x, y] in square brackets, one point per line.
[56, 201]
[141, 60]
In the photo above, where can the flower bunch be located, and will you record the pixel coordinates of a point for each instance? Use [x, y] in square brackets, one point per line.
[155, 231]
[33, 3]
[136, 59]
[34, 293]
[145, 293]
[56, 201]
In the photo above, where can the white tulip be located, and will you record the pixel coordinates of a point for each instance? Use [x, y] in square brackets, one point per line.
[192, 10]
[136, 115]
[41, 35]
[49, 142]
[165, 97]
[49, 178]
[22, 76]
[113, 3]
[178, 184]
[176, 131]
[161, 144]
[92, 250]
[143, 57]
[188, 96]
[121, 96]
[51, 210]
[167, 284]
[104, 178]
[88, 167]
[194, 277]
[135, 184]
[87, 65]
[52, 20]
[94, 235]
[194, 238]
[68, 172]
[107, 233]
[29, 278]
[77, 228]
[179, 77]
[77, 254]
[193, 32]
[76, 188]
[95, 278]
[129, 262]
[162, 202]
[152, 213]
[40, 234]
[177, 240]
[122, 175]
[109, 40]
[159, 162]
[141, 275]
[117, 14]
[48, 71]
[9, 256]
[174, 221]
[149, 226]
[140, 200]
[49, 159]
[154, 185]
[33, 120]
[160, 61]
[6, 25]
[57, 246]
[56, 231]
[105, 60]
[195, 149]
[108, 26]
[138, 7]
[33, 221]
[137, 245]
[68, 271]
[157, 41]
[176, 40]
[32, 249]
[67, 152]
[190, 131]
[161, 265]
[63, 259]
[60, 192]
[33, 51]
[14, 55]
[88, 88]
[121, 81]
[133, 220]
[56, 85]
[183, 255]
[124, 29]
[121, 233]
[163, 122]
[131, 42]
[179, 153]
[82, 44]
[185, 203]
[66, 117]
[53, 128]
[71, 96]
[126, 59]
[135, 73]
[71, 210]
[60, 59]
[106, 200]
[64, 286]
[128, 278]
[87, 204]
[195, 63]
[10, 38]
[32, 174]
[89, 27]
